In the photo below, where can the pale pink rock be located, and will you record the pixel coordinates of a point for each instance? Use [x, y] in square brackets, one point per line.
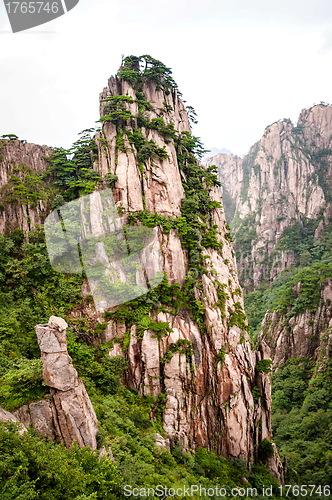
[68, 415]
[282, 187]
[15, 157]
[209, 400]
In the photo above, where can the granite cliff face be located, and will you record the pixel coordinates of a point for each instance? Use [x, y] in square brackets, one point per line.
[204, 369]
[285, 178]
[185, 342]
[67, 414]
[22, 204]
[278, 202]
[304, 335]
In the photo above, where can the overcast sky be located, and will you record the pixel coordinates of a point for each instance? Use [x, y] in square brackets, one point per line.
[241, 64]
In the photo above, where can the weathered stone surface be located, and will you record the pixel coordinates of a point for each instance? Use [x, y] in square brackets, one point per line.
[162, 442]
[207, 388]
[276, 184]
[275, 465]
[6, 416]
[57, 323]
[67, 415]
[15, 157]
[42, 417]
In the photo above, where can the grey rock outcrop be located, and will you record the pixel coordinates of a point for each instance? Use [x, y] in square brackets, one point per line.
[161, 183]
[283, 179]
[21, 165]
[67, 415]
[162, 442]
[6, 416]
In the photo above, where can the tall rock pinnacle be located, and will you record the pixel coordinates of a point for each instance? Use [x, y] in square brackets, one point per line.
[185, 341]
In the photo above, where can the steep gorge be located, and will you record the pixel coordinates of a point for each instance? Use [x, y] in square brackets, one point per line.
[205, 370]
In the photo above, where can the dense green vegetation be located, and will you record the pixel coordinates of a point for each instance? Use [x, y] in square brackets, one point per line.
[33, 468]
[71, 170]
[70, 175]
[31, 291]
[302, 422]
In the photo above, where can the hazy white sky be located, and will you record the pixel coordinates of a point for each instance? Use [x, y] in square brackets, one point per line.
[241, 64]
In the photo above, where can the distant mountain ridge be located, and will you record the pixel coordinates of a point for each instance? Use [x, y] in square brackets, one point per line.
[215, 151]
[285, 178]
[278, 202]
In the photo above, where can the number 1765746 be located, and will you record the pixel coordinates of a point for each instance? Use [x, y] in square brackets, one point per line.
[32, 7]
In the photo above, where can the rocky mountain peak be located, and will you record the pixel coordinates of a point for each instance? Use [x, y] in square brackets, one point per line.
[316, 125]
[284, 178]
[189, 347]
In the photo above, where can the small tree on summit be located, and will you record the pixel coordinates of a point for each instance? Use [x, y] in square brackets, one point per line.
[138, 70]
